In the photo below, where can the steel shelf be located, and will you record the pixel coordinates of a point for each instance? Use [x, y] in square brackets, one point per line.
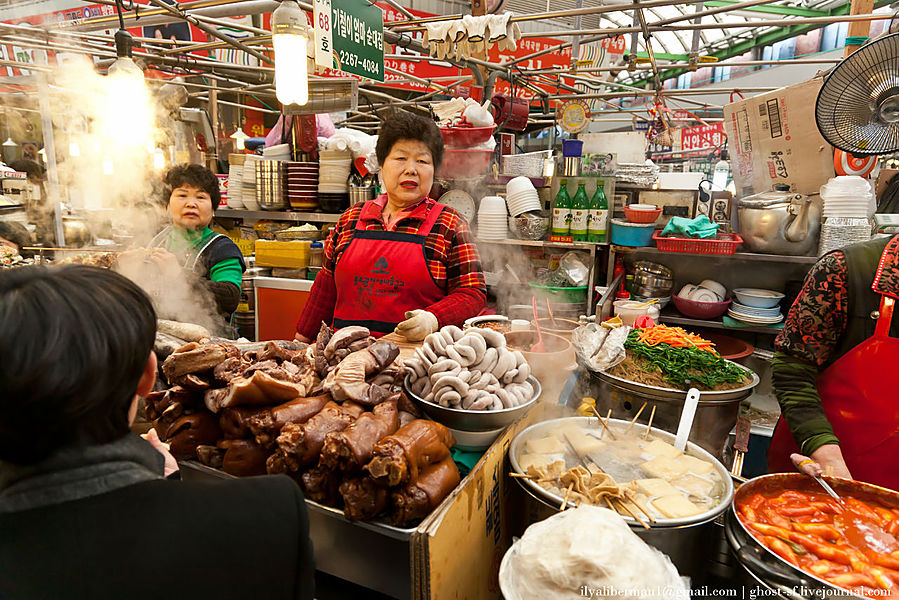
[313, 217]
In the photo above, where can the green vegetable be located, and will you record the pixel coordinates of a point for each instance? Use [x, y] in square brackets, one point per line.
[683, 367]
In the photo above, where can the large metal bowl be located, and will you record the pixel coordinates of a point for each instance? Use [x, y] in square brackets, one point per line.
[660, 393]
[473, 420]
[555, 500]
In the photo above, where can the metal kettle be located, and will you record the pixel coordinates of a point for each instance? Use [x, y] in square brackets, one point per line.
[780, 222]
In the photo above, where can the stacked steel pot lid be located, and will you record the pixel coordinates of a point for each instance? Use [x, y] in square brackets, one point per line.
[652, 280]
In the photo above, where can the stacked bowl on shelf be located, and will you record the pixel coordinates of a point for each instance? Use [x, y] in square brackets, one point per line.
[333, 179]
[492, 218]
[302, 185]
[755, 306]
[527, 220]
[248, 182]
[235, 180]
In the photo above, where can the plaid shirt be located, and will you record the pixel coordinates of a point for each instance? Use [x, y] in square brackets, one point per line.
[452, 259]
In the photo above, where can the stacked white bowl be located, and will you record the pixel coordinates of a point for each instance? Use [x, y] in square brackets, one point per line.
[492, 223]
[521, 196]
[334, 171]
[248, 181]
[235, 186]
[279, 152]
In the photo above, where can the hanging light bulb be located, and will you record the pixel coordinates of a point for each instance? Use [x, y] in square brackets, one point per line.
[108, 168]
[158, 158]
[239, 138]
[289, 38]
[9, 143]
[74, 149]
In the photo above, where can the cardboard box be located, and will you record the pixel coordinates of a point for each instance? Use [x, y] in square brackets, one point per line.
[772, 138]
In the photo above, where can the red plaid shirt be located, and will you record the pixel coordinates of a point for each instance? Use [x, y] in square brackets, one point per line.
[452, 259]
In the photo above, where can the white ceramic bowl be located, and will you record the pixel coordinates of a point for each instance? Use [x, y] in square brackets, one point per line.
[701, 294]
[716, 287]
[686, 291]
[492, 205]
[646, 207]
[758, 298]
[519, 184]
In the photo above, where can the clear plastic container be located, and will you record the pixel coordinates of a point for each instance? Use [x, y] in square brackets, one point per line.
[316, 254]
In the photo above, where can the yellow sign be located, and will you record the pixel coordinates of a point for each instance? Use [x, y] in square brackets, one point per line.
[574, 116]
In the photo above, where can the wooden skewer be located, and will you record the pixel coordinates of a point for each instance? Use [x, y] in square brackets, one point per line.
[636, 416]
[565, 499]
[522, 475]
[633, 500]
[609, 503]
[649, 425]
[91, 250]
[631, 513]
[603, 422]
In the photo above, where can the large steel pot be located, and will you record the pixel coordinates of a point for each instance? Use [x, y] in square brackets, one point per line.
[715, 417]
[686, 541]
[768, 568]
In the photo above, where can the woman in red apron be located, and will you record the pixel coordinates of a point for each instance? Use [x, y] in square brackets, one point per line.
[400, 262]
[856, 383]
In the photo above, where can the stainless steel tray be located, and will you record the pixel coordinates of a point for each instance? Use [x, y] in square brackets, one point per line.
[651, 391]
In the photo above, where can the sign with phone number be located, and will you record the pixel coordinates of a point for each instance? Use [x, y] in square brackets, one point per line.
[349, 37]
[702, 137]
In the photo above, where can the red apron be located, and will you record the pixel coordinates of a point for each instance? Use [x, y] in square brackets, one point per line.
[859, 396]
[382, 274]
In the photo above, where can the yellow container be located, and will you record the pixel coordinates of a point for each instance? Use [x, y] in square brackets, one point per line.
[287, 255]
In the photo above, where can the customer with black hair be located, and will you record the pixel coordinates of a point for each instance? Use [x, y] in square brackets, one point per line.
[192, 196]
[402, 261]
[85, 510]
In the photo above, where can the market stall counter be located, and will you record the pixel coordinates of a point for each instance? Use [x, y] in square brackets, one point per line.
[424, 535]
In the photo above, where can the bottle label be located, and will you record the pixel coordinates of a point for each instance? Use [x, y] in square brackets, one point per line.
[599, 221]
[561, 219]
[579, 221]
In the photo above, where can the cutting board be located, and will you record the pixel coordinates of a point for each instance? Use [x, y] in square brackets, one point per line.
[407, 348]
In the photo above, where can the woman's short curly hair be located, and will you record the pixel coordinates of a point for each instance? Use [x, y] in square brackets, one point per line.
[193, 175]
[406, 126]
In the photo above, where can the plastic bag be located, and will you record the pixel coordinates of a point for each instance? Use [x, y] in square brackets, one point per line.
[599, 348]
[574, 269]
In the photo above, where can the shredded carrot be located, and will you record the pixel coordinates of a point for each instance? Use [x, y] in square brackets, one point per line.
[675, 337]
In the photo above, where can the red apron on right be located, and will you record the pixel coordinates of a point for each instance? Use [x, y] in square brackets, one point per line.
[860, 396]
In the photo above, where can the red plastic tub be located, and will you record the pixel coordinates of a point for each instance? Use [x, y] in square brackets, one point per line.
[700, 310]
[464, 137]
[464, 163]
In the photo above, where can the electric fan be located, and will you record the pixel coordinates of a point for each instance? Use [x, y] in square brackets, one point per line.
[857, 109]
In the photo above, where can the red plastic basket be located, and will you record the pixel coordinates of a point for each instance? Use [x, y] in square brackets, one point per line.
[724, 243]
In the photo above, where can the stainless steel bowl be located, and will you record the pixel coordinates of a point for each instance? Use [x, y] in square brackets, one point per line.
[473, 420]
[648, 280]
[648, 291]
[652, 268]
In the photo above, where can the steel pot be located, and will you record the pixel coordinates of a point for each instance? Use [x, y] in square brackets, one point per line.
[715, 417]
[768, 568]
[780, 222]
[683, 540]
[270, 188]
[76, 231]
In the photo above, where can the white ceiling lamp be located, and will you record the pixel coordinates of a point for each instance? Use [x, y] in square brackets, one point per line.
[289, 38]
[9, 143]
[239, 138]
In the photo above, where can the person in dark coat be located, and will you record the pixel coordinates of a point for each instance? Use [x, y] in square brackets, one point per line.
[85, 508]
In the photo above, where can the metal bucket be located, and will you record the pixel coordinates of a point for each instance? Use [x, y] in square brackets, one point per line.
[245, 323]
[361, 193]
[270, 188]
[715, 417]
[687, 542]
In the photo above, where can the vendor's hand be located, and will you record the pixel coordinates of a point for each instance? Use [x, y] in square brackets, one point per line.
[171, 465]
[826, 460]
[166, 261]
[418, 324]
[302, 338]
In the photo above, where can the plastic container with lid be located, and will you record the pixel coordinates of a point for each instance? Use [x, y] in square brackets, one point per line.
[316, 254]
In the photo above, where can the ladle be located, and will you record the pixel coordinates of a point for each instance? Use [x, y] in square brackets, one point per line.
[686, 419]
[539, 346]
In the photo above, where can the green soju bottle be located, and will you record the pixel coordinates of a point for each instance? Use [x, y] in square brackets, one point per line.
[599, 215]
[561, 210]
[580, 211]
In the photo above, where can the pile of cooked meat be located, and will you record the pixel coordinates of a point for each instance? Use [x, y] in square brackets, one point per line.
[332, 415]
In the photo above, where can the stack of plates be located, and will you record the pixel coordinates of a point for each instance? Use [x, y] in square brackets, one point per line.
[521, 196]
[492, 223]
[756, 306]
[279, 152]
[334, 171]
[302, 184]
[235, 186]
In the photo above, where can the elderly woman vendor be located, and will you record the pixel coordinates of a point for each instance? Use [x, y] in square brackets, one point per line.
[402, 261]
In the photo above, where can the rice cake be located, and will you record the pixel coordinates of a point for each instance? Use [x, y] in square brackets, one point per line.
[697, 466]
[664, 468]
[694, 485]
[675, 506]
[536, 460]
[583, 443]
[547, 445]
[660, 448]
[656, 487]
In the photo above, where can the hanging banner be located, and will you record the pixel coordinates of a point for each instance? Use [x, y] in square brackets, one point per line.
[702, 137]
[353, 33]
